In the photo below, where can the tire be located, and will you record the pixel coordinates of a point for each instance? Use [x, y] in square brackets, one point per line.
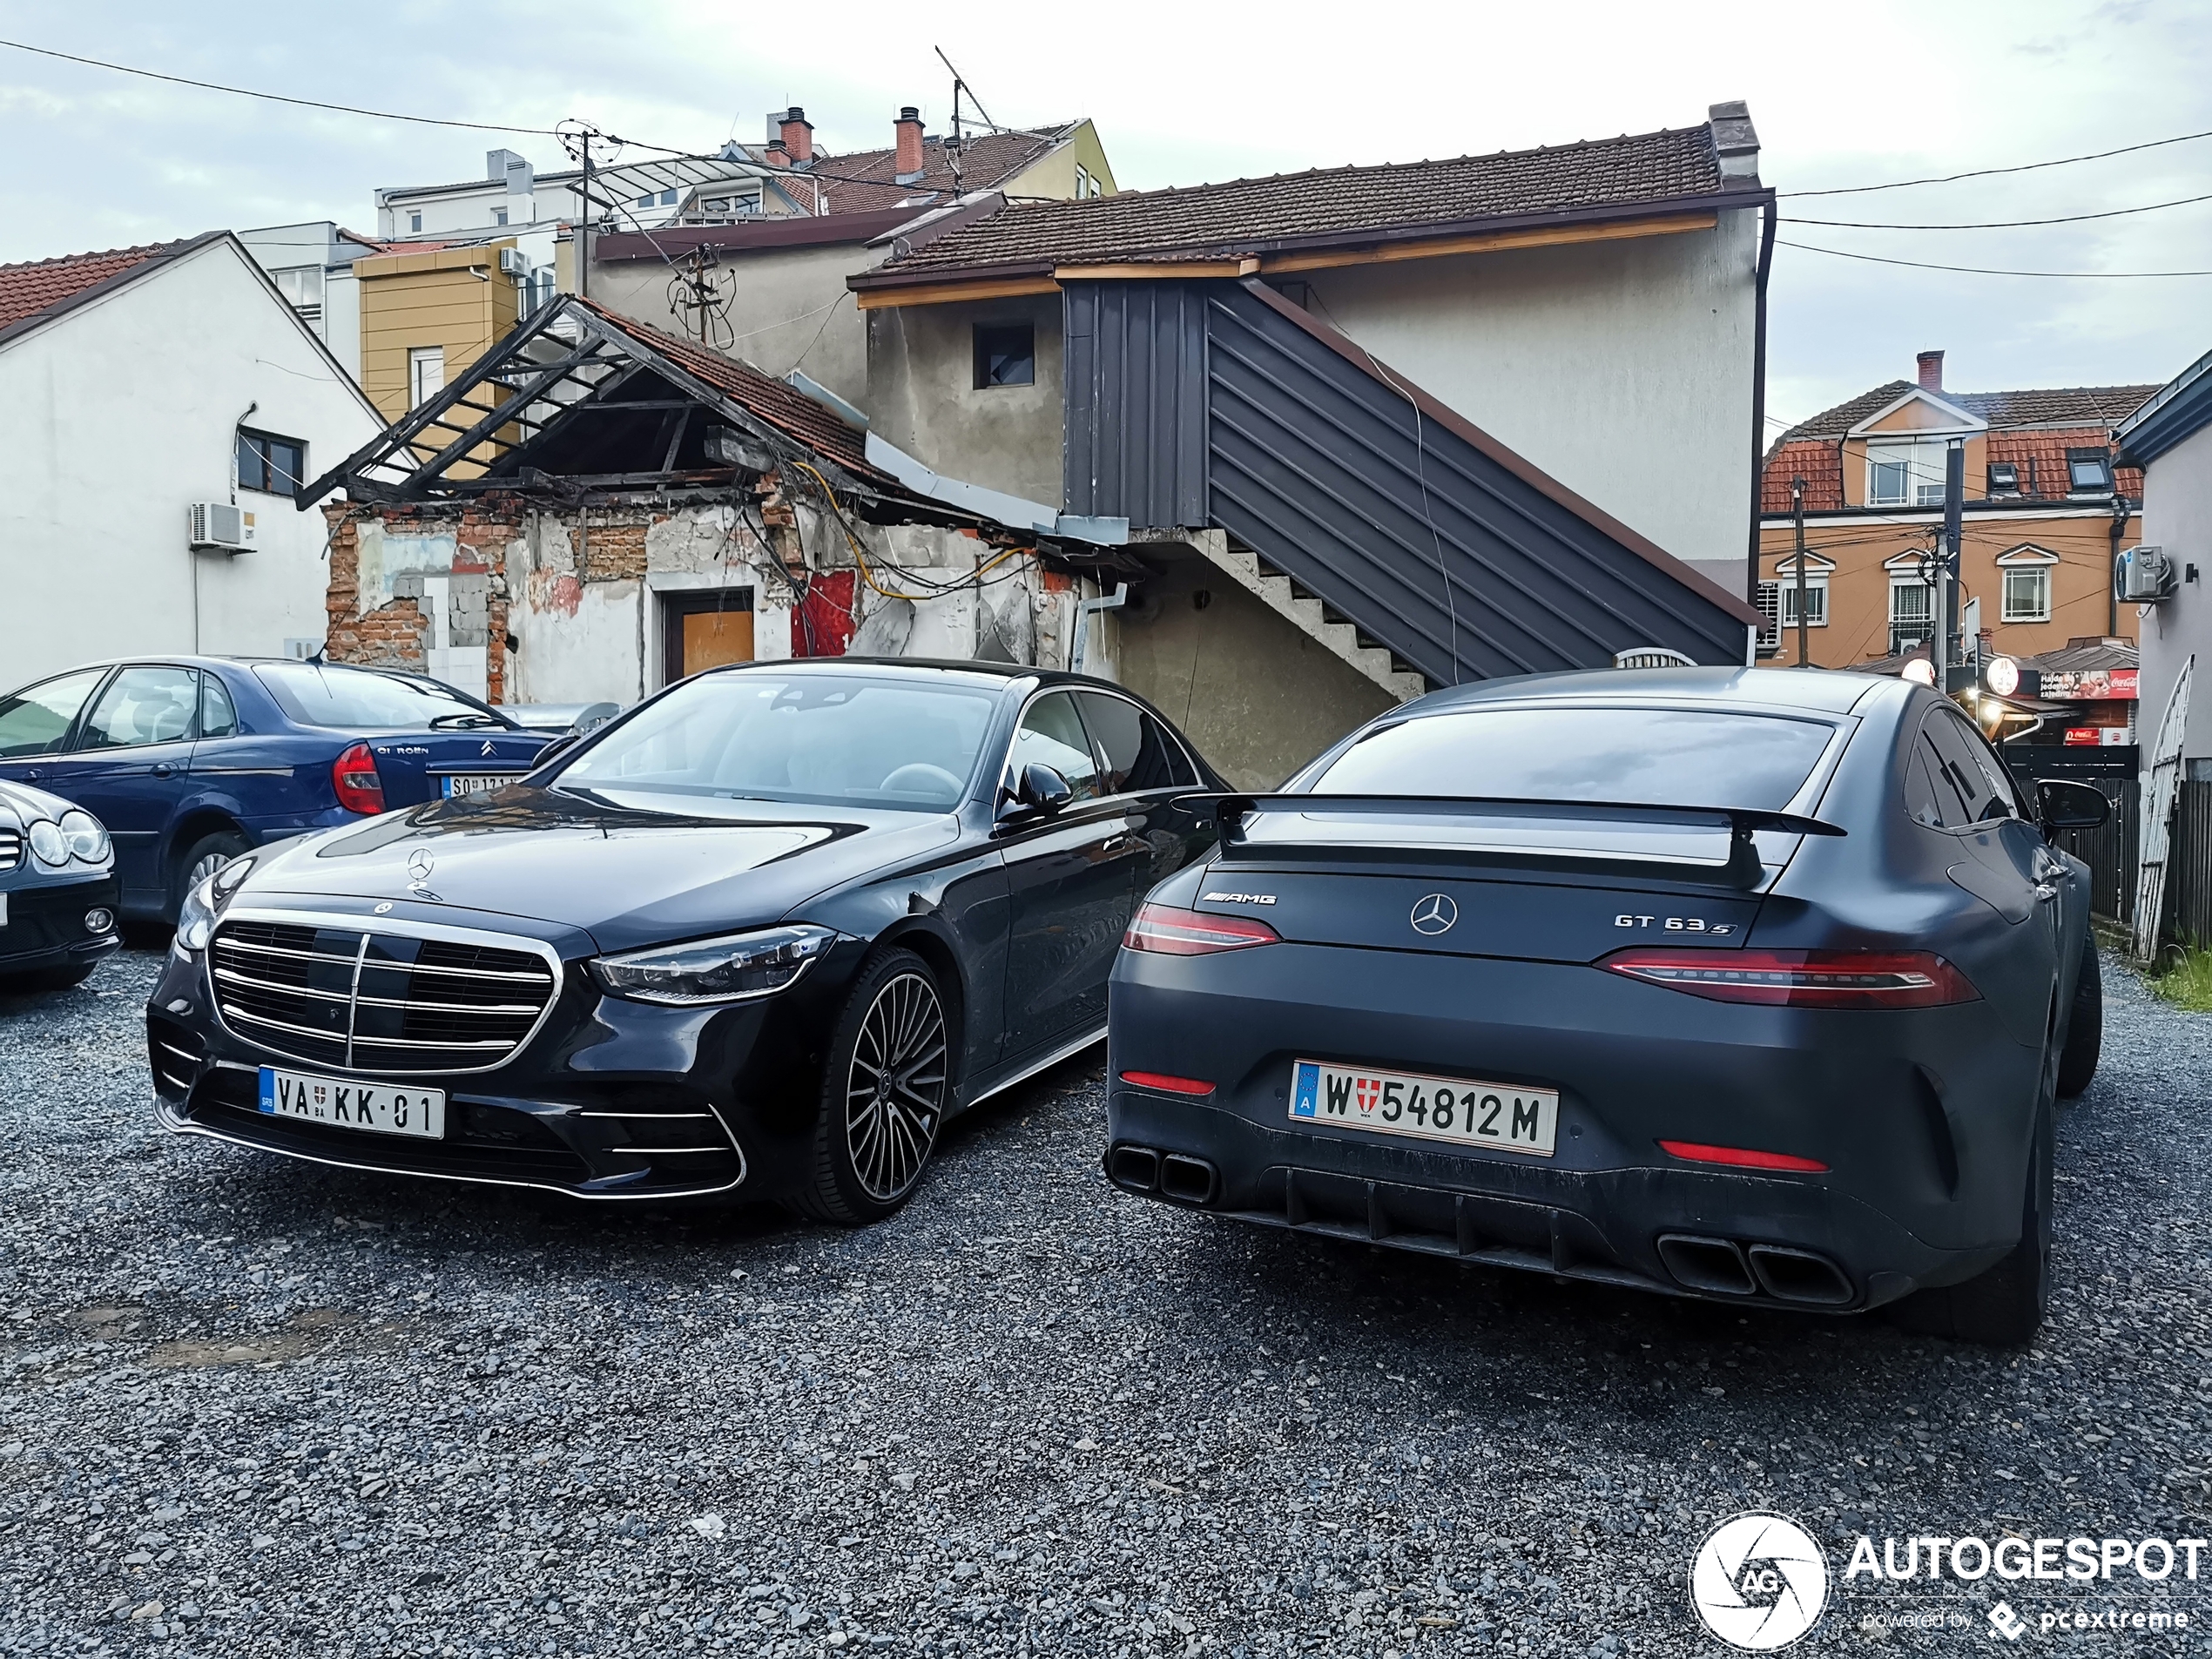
[878, 1122]
[2085, 1026]
[198, 861]
[2004, 1306]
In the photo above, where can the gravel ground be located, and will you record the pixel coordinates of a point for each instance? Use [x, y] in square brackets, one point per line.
[250, 1407]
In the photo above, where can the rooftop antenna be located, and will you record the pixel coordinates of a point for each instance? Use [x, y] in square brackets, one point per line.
[952, 144]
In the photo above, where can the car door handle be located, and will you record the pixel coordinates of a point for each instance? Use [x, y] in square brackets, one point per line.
[163, 769]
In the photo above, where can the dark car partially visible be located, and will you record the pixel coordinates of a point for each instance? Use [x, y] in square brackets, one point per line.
[190, 761]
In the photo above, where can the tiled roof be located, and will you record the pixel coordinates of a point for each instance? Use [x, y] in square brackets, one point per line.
[2098, 406]
[2035, 426]
[792, 413]
[2104, 407]
[1247, 214]
[28, 291]
[863, 182]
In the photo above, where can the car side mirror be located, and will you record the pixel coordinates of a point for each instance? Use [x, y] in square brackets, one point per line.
[1042, 789]
[2067, 805]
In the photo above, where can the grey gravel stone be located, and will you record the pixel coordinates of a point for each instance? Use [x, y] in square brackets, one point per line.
[251, 1407]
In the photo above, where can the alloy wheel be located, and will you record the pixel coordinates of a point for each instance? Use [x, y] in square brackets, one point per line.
[895, 1092]
[206, 866]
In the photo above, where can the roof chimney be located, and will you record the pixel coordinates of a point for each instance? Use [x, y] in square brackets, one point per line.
[1931, 371]
[778, 156]
[1736, 144]
[906, 168]
[799, 136]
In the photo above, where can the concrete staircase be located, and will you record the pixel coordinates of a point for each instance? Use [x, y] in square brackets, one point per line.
[1307, 614]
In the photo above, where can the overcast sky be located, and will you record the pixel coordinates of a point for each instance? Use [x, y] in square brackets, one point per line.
[1184, 92]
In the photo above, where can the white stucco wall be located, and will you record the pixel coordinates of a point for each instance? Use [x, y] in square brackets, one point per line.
[2177, 516]
[1623, 369]
[113, 418]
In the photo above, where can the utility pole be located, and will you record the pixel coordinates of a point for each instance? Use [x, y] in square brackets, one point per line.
[1946, 598]
[1797, 513]
[584, 226]
[2116, 535]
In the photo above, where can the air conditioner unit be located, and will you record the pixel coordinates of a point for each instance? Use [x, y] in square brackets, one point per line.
[2142, 575]
[220, 525]
[514, 262]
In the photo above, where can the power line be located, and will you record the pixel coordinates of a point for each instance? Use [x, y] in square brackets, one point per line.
[1978, 270]
[1988, 172]
[2000, 224]
[277, 97]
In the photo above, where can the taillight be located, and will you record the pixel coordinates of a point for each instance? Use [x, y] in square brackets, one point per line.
[1802, 979]
[1167, 931]
[353, 776]
[1168, 1082]
[1738, 1157]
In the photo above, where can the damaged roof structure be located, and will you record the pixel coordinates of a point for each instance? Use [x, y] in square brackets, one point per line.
[587, 485]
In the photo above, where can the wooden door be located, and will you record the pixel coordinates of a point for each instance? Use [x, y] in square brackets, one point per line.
[702, 631]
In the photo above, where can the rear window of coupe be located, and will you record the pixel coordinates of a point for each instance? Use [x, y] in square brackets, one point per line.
[1641, 756]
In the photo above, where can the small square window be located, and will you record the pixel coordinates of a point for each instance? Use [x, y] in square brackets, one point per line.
[499, 215]
[272, 465]
[2087, 470]
[1006, 354]
[415, 221]
[668, 199]
[2004, 478]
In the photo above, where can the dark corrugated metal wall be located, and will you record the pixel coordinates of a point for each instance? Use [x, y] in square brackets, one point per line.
[1137, 401]
[1462, 567]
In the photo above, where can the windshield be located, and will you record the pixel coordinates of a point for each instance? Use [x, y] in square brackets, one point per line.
[1639, 756]
[823, 738]
[363, 700]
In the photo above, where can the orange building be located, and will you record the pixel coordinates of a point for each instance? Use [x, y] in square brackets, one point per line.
[2044, 511]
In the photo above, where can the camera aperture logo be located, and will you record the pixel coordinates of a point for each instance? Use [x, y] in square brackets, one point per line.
[1758, 1581]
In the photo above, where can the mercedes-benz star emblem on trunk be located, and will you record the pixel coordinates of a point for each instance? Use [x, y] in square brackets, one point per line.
[1434, 914]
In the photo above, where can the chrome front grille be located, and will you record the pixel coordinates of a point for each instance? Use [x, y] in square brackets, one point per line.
[10, 848]
[384, 1000]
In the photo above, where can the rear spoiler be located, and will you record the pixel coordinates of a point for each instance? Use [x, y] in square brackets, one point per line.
[1741, 868]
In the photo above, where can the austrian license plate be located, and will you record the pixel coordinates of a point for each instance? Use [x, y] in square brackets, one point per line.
[380, 1108]
[473, 783]
[1507, 1116]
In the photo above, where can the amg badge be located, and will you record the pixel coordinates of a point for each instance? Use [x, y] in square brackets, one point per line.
[1238, 898]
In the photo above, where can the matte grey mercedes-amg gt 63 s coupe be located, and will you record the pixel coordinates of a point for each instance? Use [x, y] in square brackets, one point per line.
[1747, 984]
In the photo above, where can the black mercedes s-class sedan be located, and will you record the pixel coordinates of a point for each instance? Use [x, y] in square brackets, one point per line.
[761, 936]
[1737, 983]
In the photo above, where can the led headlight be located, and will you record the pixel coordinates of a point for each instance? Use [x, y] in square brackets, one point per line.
[48, 844]
[196, 916]
[87, 841]
[732, 969]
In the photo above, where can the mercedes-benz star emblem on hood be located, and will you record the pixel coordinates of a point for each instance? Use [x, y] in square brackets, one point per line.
[420, 863]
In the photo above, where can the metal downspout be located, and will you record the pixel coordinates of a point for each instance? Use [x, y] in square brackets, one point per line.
[1759, 395]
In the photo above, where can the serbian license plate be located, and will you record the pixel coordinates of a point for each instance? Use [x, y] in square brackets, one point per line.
[1507, 1116]
[378, 1108]
[473, 783]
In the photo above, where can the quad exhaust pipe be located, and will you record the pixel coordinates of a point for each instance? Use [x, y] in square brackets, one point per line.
[1723, 1267]
[1176, 1177]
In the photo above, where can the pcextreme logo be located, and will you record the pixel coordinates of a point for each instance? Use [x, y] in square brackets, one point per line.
[1758, 1581]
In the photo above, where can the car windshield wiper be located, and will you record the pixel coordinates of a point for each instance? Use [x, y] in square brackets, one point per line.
[465, 722]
